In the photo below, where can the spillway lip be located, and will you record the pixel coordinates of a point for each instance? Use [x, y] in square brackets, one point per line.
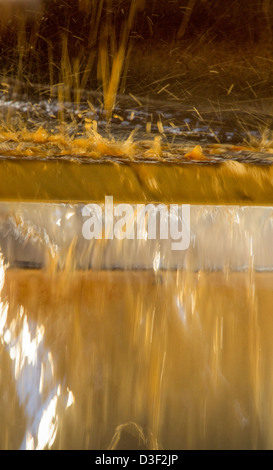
[73, 181]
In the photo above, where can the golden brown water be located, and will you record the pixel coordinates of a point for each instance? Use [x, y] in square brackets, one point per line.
[186, 357]
[172, 359]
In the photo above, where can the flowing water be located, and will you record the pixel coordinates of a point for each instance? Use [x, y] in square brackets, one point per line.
[129, 344]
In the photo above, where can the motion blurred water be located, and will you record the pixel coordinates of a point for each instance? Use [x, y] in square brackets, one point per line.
[116, 344]
[128, 344]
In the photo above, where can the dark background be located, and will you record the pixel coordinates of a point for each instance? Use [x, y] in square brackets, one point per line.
[202, 50]
[243, 20]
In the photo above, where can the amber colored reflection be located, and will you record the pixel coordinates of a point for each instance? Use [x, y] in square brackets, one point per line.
[185, 359]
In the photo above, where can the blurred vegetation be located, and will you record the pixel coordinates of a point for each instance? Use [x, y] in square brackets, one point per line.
[84, 21]
[122, 46]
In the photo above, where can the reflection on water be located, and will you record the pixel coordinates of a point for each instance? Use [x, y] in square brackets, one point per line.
[127, 343]
[139, 358]
[33, 372]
